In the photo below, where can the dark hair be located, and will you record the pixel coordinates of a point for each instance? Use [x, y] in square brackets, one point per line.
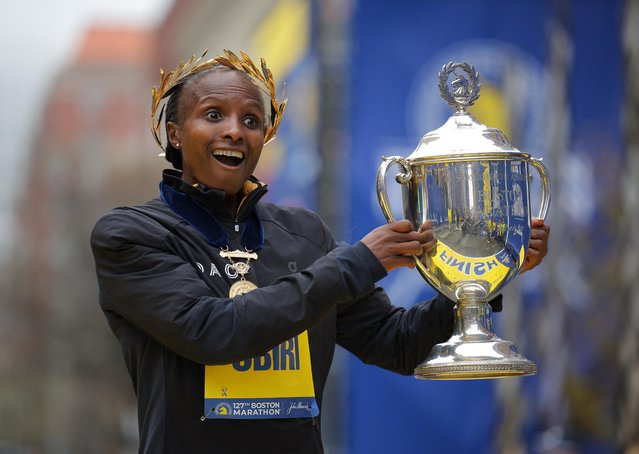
[172, 154]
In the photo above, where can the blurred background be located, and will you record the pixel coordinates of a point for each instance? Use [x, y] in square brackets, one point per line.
[559, 77]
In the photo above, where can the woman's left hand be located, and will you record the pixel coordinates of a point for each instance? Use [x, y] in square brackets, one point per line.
[538, 246]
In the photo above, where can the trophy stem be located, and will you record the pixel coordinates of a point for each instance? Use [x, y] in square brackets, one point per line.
[474, 351]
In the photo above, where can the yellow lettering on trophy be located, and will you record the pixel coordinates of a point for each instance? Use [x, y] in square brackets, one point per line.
[469, 266]
[491, 264]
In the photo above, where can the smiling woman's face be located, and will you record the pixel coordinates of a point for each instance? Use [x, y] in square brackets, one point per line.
[220, 130]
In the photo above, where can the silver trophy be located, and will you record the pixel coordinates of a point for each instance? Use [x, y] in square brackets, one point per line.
[474, 186]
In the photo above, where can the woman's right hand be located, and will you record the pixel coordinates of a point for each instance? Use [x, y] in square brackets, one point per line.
[394, 244]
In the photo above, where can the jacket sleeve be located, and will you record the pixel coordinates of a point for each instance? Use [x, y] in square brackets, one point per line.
[163, 295]
[392, 337]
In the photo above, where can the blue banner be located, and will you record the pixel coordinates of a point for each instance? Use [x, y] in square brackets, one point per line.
[398, 50]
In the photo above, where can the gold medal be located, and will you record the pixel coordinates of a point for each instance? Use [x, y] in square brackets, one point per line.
[241, 287]
[241, 268]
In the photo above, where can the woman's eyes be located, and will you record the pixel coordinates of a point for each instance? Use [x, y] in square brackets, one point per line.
[250, 121]
[213, 115]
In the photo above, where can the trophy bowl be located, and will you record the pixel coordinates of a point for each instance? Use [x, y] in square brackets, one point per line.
[474, 186]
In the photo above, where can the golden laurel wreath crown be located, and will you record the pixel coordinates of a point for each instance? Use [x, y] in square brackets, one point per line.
[170, 80]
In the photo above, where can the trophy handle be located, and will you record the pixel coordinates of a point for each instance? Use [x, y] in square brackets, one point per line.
[545, 187]
[401, 178]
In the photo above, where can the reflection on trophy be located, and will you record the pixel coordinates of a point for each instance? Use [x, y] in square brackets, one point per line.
[474, 186]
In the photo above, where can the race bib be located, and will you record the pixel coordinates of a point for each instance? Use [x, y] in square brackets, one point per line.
[276, 385]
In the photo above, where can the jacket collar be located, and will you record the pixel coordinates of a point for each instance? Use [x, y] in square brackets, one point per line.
[204, 208]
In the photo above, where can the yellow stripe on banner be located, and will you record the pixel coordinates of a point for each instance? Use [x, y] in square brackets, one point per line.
[488, 208]
[492, 108]
[283, 36]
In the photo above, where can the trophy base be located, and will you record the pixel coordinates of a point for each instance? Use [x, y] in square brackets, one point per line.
[496, 358]
[474, 351]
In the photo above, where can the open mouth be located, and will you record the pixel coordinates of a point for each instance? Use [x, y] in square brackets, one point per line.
[229, 157]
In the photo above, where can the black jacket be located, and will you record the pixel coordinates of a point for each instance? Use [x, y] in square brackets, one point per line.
[172, 315]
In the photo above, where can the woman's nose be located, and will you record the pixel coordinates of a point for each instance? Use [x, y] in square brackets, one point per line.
[233, 129]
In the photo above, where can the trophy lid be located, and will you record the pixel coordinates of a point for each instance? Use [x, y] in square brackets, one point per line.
[462, 137]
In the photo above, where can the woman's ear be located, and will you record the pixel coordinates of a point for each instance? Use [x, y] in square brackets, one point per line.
[173, 133]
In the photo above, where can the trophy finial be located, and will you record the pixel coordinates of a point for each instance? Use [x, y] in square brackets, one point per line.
[465, 89]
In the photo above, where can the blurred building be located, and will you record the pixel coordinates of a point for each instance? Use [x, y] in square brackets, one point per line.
[92, 152]
[63, 384]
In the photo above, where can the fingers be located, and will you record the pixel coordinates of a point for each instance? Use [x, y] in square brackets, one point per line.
[429, 246]
[428, 240]
[426, 226]
[403, 226]
[539, 236]
[398, 261]
[409, 243]
[395, 243]
[540, 232]
[538, 244]
[404, 240]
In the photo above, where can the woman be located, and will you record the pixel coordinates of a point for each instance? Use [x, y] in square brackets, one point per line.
[227, 308]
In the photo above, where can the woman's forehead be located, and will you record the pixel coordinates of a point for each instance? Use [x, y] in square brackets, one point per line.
[221, 81]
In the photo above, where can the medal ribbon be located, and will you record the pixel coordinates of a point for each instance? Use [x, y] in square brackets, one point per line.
[202, 220]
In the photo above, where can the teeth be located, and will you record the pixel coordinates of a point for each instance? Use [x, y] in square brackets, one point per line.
[229, 153]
